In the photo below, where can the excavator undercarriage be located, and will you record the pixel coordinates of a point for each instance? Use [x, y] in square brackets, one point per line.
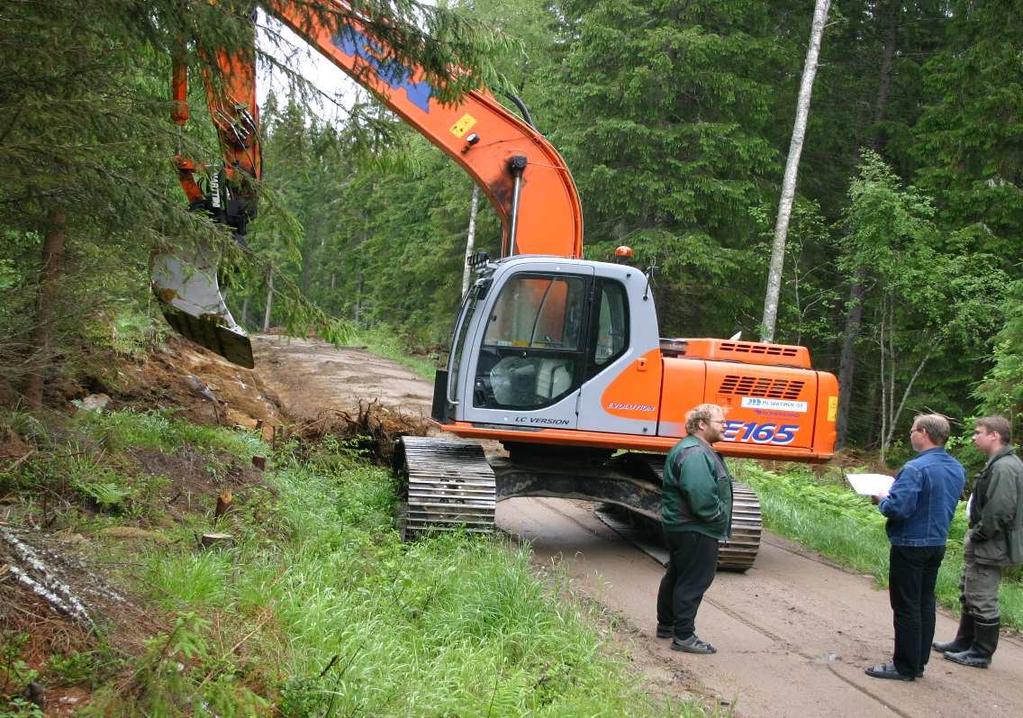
[452, 484]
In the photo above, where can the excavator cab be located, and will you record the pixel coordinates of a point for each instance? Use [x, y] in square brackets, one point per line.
[540, 337]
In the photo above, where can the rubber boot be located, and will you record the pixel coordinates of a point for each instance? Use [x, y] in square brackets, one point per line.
[964, 636]
[984, 644]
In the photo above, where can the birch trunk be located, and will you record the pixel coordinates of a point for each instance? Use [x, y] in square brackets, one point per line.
[269, 300]
[788, 187]
[470, 240]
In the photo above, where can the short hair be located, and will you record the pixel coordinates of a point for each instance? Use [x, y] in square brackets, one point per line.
[997, 424]
[701, 412]
[935, 425]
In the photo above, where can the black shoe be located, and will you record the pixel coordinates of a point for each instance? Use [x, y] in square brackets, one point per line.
[970, 658]
[664, 631]
[985, 641]
[692, 645]
[964, 636]
[887, 670]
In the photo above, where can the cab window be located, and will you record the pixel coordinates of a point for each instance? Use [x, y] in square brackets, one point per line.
[611, 325]
[533, 350]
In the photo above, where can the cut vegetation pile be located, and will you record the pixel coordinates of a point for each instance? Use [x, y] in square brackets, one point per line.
[370, 428]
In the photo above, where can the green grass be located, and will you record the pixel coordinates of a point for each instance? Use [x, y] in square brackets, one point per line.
[383, 342]
[319, 609]
[826, 516]
[159, 430]
[80, 459]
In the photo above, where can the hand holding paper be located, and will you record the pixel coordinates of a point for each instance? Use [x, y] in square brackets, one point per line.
[870, 484]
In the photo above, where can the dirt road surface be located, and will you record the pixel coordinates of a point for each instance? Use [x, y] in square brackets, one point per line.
[793, 634]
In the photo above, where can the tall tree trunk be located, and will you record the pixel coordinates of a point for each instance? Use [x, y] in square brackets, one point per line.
[309, 256]
[358, 300]
[858, 290]
[470, 240]
[245, 311]
[788, 185]
[890, 18]
[53, 268]
[847, 358]
[269, 299]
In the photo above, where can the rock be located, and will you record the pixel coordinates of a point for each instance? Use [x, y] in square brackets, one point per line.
[215, 540]
[93, 402]
[199, 387]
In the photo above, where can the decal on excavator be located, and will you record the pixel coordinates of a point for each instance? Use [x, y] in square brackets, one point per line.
[464, 124]
[352, 42]
[756, 402]
[757, 433]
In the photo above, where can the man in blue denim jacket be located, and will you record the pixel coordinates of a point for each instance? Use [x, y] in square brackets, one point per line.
[919, 507]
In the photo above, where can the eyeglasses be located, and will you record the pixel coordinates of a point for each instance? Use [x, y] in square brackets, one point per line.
[914, 430]
[716, 421]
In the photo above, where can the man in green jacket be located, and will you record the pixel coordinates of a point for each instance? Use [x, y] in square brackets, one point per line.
[994, 540]
[696, 513]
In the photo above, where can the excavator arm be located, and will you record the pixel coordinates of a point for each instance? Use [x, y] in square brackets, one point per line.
[523, 176]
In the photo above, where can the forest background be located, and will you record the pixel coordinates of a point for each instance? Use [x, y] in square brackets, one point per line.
[903, 269]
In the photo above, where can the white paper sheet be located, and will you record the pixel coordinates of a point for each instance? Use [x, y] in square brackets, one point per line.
[870, 484]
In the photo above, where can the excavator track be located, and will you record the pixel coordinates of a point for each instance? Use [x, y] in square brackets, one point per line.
[740, 551]
[448, 484]
[445, 485]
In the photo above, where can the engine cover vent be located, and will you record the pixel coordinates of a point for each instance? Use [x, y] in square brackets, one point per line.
[763, 353]
[764, 387]
[777, 350]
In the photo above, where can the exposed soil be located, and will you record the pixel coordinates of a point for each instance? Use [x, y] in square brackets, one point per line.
[793, 634]
[311, 376]
[208, 389]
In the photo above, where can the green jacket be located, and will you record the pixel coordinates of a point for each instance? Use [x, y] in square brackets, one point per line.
[697, 491]
[996, 511]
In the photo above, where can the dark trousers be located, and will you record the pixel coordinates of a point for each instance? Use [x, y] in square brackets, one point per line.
[691, 566]
[913, 571]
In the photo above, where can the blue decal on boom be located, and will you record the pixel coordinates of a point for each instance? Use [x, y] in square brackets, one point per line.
[352, 42]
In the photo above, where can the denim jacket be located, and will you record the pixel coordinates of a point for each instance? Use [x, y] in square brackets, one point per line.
[923, 499]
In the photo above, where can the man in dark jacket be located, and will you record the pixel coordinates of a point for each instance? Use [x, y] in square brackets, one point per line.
[696, 513]
[995, 539]
[919, 507]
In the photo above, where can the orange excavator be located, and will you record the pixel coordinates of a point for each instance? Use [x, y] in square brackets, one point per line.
[557, 357]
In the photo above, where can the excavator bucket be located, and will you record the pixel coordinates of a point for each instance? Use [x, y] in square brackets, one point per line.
[190, 299]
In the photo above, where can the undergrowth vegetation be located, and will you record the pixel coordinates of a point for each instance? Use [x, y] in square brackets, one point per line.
[823, 514]
[316, 608]
[384, 341]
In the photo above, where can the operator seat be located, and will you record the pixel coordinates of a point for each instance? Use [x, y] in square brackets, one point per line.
[553, 379]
